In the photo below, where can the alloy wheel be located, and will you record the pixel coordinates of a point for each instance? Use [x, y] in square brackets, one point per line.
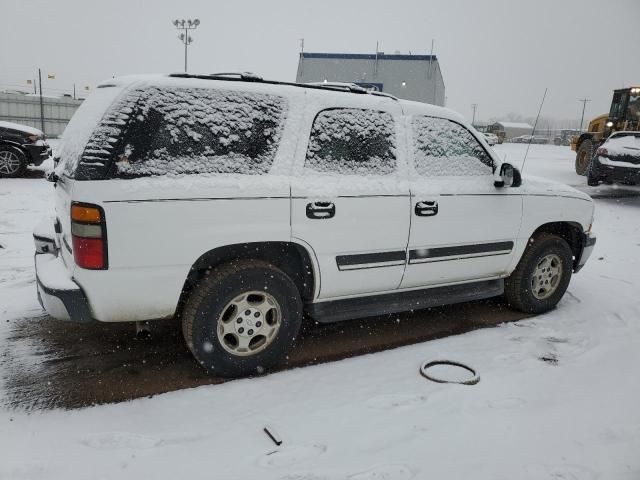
[249, 323]
[9, 162]
[546, 276]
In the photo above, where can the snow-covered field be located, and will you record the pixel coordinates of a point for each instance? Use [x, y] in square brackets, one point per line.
[558, 396]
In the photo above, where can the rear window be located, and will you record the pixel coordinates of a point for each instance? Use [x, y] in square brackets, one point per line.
[156, 131]
[623, 144]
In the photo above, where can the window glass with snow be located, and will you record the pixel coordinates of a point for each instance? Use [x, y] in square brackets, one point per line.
[444, 148]
[159, 131]
[352, 141]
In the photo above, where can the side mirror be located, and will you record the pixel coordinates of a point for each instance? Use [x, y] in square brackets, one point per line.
[509, 176]
[52, 176]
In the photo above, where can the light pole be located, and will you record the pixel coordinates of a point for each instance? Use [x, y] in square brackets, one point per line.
[584, 104]
[475, 107]
[186, 25]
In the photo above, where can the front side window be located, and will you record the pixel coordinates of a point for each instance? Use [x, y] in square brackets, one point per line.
[444, 148]
[159, 131]
[352, 141]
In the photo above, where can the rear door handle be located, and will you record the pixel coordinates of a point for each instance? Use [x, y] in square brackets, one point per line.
[426, 208]
[321, 210]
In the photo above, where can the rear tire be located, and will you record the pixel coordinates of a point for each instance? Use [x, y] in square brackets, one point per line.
[592, 179]
[542, 275]
[242, 319]
[13, 162]
[583, 157]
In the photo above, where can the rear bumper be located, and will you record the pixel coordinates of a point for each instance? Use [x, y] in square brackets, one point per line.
[588, 244]
[613, 173]
[58, 293]
[61, 297]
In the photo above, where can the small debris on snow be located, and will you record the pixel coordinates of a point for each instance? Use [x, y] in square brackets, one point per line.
[549, 358]
[455, 379]
[271, 433]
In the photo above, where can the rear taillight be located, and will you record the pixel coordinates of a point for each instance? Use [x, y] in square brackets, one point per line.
[602, 152]
[89, 235]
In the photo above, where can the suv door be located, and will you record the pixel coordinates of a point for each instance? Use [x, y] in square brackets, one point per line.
[350, 196]
[462, 227]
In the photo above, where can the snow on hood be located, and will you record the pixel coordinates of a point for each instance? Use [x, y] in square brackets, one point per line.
[532, 185]
[21, 128]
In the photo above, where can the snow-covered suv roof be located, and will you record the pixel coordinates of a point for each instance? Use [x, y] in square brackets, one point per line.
[247, 79]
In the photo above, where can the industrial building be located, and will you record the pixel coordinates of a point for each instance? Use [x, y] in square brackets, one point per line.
[25, 109]
[411, 77]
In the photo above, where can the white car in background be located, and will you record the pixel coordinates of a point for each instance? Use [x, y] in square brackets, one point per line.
[492, 138]
[234, 204]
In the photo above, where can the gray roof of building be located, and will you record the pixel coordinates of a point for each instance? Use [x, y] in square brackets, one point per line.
[368, 56]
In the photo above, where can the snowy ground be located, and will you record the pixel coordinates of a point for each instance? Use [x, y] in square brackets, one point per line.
[558, 396]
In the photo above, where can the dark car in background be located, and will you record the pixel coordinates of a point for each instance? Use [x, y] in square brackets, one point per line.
[21, 146]
[617, 160]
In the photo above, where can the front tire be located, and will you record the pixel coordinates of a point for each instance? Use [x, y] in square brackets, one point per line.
[242, 319]
[542, 275]
[13, 162]
[583, 157]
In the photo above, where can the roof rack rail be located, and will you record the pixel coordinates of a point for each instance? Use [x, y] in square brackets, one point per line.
[252, 77]
[349, 87]
[248, 76]
[245, 76]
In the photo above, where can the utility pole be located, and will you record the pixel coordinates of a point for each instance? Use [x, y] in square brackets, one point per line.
[584, 104]
[74, 91]
[41, 102]
[301, 60]
[186, 25]
[475, 107]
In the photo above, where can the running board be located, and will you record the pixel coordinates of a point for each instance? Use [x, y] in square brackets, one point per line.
[374, 305]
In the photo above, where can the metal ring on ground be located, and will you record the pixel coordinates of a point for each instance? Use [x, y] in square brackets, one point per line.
[472, 381]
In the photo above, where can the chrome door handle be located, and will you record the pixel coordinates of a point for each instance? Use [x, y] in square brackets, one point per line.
[321, 210]
[426, 208]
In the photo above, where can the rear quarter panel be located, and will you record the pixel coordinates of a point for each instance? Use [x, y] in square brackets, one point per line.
[158, 227]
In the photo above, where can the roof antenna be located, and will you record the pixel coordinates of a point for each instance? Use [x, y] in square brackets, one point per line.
[534, 130]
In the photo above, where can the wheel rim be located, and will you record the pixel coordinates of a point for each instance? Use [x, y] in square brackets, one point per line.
[249, 323]
[546, 276]
[9, 162]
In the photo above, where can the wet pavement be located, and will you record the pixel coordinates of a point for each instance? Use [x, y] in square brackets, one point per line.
[52, 364]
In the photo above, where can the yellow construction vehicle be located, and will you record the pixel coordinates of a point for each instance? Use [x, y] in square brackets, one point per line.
[623, 115]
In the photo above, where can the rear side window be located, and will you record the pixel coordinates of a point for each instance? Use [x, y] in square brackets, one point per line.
[352, 141]
[82, 125]
[160, 131]
[444, 148]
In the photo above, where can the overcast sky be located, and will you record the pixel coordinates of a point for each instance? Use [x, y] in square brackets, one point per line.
[499, 54]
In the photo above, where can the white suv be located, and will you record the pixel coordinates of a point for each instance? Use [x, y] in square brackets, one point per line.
[236, 205]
